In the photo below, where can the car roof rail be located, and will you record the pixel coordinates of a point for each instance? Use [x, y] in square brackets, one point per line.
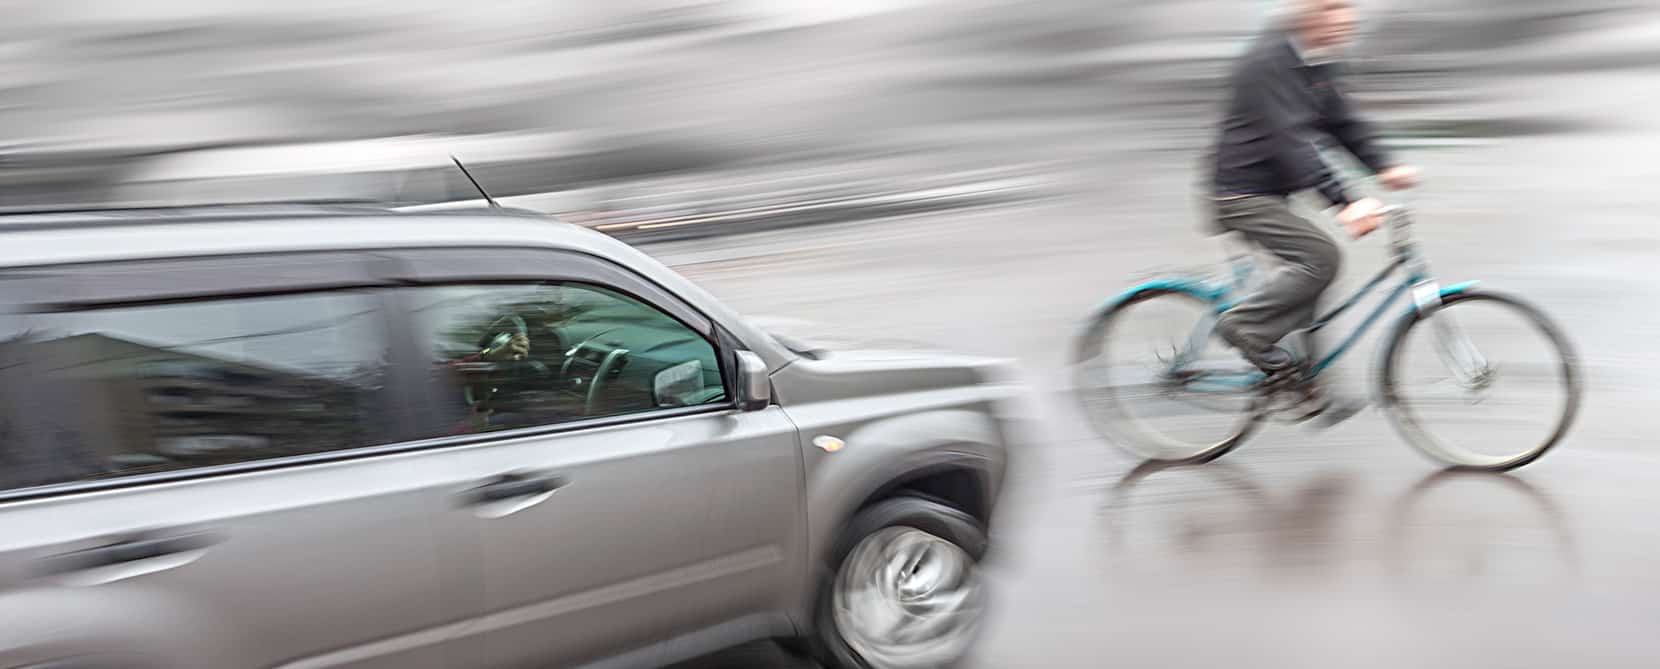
[186, 209]
[50, 216]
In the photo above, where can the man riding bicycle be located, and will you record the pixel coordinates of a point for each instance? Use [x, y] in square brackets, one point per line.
[1286, 97]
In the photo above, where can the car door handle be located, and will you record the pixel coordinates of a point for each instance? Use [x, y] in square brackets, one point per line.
[124, 552]
[513, 486]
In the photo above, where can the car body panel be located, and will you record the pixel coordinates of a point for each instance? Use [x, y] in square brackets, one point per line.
[345, 542]
[659, 527]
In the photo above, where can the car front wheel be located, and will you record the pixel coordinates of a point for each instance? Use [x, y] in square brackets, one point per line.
[903, 590]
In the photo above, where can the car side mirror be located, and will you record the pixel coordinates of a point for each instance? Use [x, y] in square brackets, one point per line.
[679, 386]
[754, 382]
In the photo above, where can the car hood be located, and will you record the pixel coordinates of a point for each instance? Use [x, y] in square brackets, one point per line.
[819, 341]
[852, 367]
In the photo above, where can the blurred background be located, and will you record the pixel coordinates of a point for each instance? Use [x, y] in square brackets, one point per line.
[976, 175]
[641, 110]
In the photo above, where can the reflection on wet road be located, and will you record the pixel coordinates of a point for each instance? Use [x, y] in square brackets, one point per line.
[1220, 521]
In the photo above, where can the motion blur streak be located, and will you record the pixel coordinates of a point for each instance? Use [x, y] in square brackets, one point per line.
[979, 175]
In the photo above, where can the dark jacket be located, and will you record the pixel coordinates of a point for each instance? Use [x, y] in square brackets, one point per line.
[1280, 108]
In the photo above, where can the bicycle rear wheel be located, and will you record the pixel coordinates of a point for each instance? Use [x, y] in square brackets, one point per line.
[1484, 382]
[1153, 378]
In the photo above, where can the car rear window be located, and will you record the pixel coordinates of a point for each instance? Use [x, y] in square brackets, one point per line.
[127, 390]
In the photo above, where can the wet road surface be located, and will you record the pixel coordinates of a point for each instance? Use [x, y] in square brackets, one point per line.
[1303, 548]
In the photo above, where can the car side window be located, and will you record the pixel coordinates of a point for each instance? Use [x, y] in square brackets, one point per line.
[128, 390]
[522, 355]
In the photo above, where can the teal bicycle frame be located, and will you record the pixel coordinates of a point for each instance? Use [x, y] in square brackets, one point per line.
[1429, 345]
[1427, 294]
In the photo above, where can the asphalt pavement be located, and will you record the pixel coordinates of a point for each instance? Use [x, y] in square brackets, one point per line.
[1303, 548]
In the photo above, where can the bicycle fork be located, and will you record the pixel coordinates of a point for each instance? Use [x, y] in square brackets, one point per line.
[1459, 354]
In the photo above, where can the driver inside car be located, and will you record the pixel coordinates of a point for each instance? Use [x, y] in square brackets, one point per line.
[477, 373]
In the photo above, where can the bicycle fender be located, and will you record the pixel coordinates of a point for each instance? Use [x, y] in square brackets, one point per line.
[1458, 288]
[1205, 291]
[1427, 296]
[1419, 309]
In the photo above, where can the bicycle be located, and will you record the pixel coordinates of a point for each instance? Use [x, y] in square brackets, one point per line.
[1194, 376]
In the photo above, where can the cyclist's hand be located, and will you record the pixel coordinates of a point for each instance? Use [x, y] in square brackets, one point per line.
[1399, 177]
[1361, 217]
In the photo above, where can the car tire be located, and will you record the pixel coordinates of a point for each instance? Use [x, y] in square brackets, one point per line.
[904, 558]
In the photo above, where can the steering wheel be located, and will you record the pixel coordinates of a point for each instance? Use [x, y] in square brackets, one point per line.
[611, 360]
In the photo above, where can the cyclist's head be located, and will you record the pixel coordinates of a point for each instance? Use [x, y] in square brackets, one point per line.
[1324, 25]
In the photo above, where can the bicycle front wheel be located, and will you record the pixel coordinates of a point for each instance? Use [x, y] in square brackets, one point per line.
[1484, 382]
[1153, 378]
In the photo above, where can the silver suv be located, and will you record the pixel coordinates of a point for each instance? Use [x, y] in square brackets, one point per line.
[284, 436]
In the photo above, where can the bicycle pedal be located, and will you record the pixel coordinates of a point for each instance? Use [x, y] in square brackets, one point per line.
[1306, 410]
[1290, 391]
[1288, 408]
[1278, 382]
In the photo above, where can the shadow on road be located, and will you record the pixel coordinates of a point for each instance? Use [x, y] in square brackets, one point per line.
[1450, 526]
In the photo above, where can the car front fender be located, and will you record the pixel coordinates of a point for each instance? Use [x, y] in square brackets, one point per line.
[879, 457]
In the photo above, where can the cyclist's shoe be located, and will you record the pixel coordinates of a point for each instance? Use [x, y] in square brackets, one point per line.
[1286, 375]
[1282, 371]
[1273, 361]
